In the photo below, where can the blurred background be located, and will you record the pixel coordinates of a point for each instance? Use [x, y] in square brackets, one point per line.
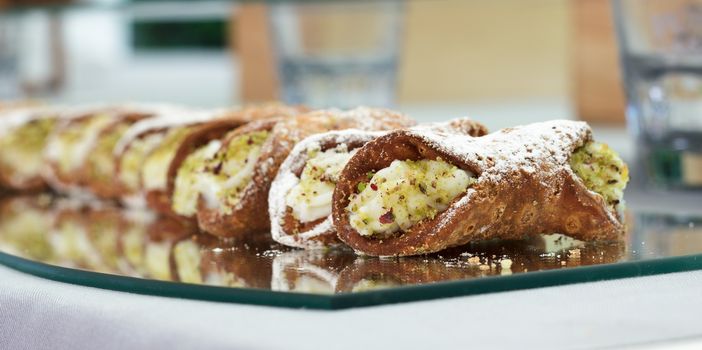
[504, 62]
[215, 53]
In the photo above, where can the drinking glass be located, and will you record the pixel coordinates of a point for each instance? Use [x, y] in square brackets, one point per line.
[337, 53]
[661, 54]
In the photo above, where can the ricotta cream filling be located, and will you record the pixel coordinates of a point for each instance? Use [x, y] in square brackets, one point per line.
[405, 193]
[230, 171]
[21, 150]
[74, 144]
[101, 161]
[602, 171]
[185, 194]
[155, 173]
[133, 158]
[311, 198]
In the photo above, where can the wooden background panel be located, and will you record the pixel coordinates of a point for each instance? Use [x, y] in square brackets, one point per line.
[471, 50]
[468, 51]
[598, 93]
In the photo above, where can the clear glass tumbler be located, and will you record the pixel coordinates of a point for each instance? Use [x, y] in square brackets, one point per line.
[661, 53]
[337, 53]
[9, 70]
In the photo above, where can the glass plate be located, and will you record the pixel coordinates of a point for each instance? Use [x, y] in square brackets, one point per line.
[97, 245]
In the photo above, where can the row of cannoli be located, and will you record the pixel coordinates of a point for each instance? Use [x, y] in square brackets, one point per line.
[112, 152]
[367, 178]
[105, 238]
[427, 188]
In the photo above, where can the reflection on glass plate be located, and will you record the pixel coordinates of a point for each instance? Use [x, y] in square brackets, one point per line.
[50, 234]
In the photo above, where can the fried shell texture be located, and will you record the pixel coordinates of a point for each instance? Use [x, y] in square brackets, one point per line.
[250, 214]
[524, 186]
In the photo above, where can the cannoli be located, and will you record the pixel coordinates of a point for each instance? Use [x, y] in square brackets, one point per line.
[139, 141]
[162, 167]
[98, 171]
[75, 151]
[235, 182]
[420, 191]
[69, 145]
[23, 136]
[300, 199]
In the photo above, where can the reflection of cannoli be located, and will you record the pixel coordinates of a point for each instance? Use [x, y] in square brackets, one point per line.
[24, 222]
[418, 191]
[234, 193]
[478, 260]
[301, 195]
[309, 271]
[207, 260]
[196, 144]
[104, 225]
[163, 234]
[69, 236]
[372, 273]
[131, 243]
[23, 135]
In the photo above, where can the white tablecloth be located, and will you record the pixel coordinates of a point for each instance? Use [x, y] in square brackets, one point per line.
[42, 314]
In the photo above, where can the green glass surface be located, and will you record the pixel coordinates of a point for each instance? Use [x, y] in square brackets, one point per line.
[107, 247]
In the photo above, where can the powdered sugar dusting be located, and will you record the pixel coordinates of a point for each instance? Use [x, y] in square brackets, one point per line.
[524, 148]
[167, 117]
[541, 148]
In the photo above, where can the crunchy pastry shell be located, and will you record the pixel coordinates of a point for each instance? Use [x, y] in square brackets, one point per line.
[524, 186]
